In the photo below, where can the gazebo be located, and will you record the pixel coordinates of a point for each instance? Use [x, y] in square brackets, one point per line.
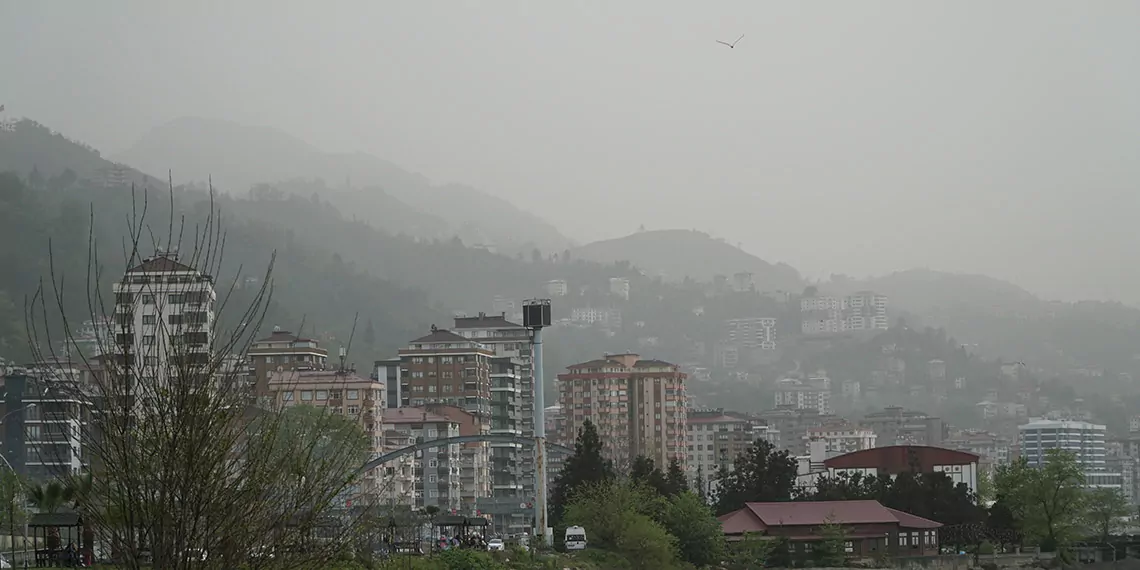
[57, 538]
[462, 527]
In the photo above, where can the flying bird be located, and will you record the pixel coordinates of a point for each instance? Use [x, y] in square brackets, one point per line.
[733, 44]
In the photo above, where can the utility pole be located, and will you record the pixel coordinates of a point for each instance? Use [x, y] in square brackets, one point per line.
[536, 316]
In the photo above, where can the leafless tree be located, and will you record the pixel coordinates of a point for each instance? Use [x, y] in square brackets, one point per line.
[188, 469]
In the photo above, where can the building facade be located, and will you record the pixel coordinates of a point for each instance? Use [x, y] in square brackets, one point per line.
[283, 350]
[164, 315]
[1085, 440]
[637, 404]
[800, 395]
[862, 311]
[339, 392]
[713, 442]
[757, 332]
[45, 421]
[437, 470]
[897, 426]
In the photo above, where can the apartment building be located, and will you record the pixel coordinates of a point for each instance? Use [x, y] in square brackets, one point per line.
[991, 448]
[164, 315]
[637, 404]
[862, 311]
[594, 316]
[45, 420]
[814, 394]
[512, 398]
[753, 332]
[839, 438]
[474, 459]
[619, 287]
[1085, 440]
[341, 392]
[557, 288]
[283, 350]
[714, 439]
[446, 368]
[788, 426]
[897, 426]
[437, 470]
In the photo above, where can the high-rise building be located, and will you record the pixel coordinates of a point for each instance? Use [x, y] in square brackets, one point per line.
[557, 288]
[638, 405]
[1085, 440]
[839, 437]
[164, 315]
[450, 375]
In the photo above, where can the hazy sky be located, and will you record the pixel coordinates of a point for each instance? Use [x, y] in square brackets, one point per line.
[858, 137]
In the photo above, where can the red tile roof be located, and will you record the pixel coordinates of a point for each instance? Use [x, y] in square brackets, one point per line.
[755, 517]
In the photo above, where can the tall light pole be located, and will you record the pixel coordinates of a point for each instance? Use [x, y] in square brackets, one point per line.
[536, 316]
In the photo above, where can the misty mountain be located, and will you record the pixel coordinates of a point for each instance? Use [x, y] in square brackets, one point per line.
[928, 292]
[238, 157]
[677, 254]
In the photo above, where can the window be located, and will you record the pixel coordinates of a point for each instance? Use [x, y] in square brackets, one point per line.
[148, 299]
[446, 374]
[334, 394]
[432, 464]
[914, 543]
[174, 298]
[354, 394]
[287, 396]
[902, 539]
[148, 320]
[433, 479]
[445, 360]
[322, 394]
[417, 374]
[848, 547]
[148, 340]
[417, 360]
[432, 433]
[306, 395]
[353, 410]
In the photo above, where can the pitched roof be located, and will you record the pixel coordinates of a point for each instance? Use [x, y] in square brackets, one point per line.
[816, 513]
[755, 517]
[159, 264]
[653, 363]
[283, 336]
[441, 335]
[411, 416]
[597, 363]
[908, 520]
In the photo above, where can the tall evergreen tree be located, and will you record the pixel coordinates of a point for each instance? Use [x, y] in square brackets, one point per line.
[675, 480]
[586, 466]
[645, 472]
[760, 474]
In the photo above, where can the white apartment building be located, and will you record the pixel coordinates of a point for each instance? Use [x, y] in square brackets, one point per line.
[164, 315]
[798, 395]
[840, 439]
[1083, 439]
[861, 311]
[754, 332]
[713, 441]
[589, 315]
[557, 288]
[619, 287]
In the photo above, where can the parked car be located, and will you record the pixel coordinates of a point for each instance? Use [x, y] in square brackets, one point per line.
[575, 538]
[495, 544]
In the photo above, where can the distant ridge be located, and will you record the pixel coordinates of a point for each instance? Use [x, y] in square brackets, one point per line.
[239, 156]
[677, 254]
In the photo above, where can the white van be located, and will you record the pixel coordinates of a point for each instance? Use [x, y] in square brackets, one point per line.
[575, 538]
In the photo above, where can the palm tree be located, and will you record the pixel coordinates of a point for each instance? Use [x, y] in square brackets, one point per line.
[49, 498]
[79, 487]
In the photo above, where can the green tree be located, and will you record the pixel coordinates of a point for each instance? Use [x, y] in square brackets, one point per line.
[675, 480]
[11, 491]
[1048, 500]
[832, 550]
[751, 552]
[1104, 510]
[620, 517]
[700, 538]
[759, 474]
[644, 472]
[585, 466]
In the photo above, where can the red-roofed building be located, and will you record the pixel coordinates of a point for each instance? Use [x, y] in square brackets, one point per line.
[960, 466]
[870, 528]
